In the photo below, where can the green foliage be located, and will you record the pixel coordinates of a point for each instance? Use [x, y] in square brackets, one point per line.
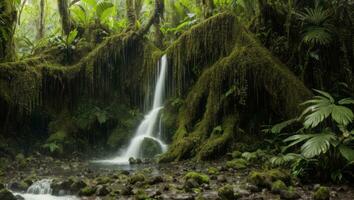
[324, 136]
[316, 25]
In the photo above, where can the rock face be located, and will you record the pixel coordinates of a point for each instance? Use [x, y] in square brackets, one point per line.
[150, 148]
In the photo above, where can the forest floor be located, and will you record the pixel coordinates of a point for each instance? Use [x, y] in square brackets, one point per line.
[183, 180]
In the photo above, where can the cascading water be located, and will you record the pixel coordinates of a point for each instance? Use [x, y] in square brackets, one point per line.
[41, 190]
[147, 126]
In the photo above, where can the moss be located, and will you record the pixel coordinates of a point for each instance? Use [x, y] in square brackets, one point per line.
[322, 193]
[213, 171]
[224, 85]
[237, 164]
[136, 178]
[267, 177]
[200, 178]
[87, 191]
[278, 185]
[150, 148]
[226, 193]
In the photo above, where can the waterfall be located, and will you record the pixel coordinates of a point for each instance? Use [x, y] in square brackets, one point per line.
[40, 187]
[146, 129]
[41, 190]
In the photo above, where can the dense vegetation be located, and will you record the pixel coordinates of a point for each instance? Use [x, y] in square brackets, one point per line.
[265, 84]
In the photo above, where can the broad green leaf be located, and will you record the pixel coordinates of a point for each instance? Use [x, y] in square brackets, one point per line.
[347, 152]
[279, 127]
[295, 139]
[342, 115]
[346, 101]
[318, 144]
[109, 12]
[326, 95]
[71, 37]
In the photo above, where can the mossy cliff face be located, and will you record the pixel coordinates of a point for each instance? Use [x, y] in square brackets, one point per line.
[209, 120]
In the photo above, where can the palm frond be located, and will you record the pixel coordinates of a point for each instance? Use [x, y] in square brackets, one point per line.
[318, 144]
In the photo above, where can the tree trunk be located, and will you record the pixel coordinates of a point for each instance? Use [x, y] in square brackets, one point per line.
[208, 7]
[8, 16]
[64, 16]
[138, 5]
[130, 13]
[40, 33]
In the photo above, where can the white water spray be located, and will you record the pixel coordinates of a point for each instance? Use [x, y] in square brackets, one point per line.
[147, 126]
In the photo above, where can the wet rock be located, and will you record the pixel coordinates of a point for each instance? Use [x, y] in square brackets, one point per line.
[77, 186]
[150, 148]
[135, 178]
[102, 190]
[322, 193]
[153, 193]
[19, 197]
[87, 191]
[278, 186]
[226, 193]
[132, 161]
[62, 186]
[19, 186]
[6, 195]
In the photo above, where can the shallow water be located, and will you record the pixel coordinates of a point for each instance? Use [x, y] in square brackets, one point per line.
[46, 197]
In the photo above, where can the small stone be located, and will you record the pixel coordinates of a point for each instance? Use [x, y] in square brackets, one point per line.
[190, 184]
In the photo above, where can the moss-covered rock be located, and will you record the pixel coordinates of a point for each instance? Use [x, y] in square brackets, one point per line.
[213, 170]
[289, 194]
[267, 177]
[6, 195]
[87, 191]
[277, 186]
[226, 193]
[135, 178]
[150, 148]
[237, 164]
[200, 178]
[322, 193]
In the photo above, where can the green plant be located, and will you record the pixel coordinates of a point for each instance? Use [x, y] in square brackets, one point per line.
[324, 135]
[67, 43]
[317, 26]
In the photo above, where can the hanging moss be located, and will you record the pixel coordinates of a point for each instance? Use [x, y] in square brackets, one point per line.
[223, 89]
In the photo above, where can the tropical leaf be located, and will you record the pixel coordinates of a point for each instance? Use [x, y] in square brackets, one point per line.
[318, 144]
[279, 127]
[296, 139]
[346, 101]
[282, 160]
[71, 37]
[347, 152]
[101, 7]
[342, 115]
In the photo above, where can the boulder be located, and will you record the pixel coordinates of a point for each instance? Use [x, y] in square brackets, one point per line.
[150, 148]
[6, 195]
